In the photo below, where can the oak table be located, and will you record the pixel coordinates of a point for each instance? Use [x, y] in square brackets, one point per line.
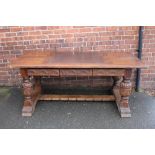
[118, 65]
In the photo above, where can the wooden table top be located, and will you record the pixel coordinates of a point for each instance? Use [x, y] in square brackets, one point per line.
[76, 60]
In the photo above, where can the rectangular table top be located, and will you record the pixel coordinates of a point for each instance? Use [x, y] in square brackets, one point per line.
[76, 60]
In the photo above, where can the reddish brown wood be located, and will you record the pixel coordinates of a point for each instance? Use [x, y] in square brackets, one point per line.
[43, 72]
[28, 101]
[122, 90]
[77, 60]
[125, 91]
[78, 97]
[116, 91]
[31, 95]
[24, 73]
[38, 64]
[108, 72]
[75, 72]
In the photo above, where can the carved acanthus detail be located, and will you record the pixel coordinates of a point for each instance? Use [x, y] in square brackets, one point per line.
[125, 88]
[27, 87]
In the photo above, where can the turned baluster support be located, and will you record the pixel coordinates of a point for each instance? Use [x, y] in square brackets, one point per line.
[31, 91]
[122, 90]
[28, 101]
[125, 91]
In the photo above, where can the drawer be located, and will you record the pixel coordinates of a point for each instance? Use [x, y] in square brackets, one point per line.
[43, 72]
[108, 72]
[75, 72]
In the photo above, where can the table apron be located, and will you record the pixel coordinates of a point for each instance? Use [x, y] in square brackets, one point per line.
[75, 72]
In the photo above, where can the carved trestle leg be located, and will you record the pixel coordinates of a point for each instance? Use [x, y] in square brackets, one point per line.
[31, 95]
[122, 90]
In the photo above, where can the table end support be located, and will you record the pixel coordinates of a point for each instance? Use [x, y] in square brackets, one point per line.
[125, 91]
[31, 95]
[122, 90]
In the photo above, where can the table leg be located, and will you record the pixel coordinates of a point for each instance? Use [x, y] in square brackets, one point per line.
[122, 90]
[116, 90]
[125, 91]
[31, 94]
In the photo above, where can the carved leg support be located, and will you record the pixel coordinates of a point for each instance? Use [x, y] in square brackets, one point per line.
[125, 91]
[31, 95]
[116, 90]
[122, 90]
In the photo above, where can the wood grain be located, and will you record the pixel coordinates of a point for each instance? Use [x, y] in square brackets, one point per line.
[38, 64]
[77, 60]
[78, 97]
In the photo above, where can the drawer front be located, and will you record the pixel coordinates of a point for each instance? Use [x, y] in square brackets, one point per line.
[75, 72]
[43, 72]
[108, 72]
